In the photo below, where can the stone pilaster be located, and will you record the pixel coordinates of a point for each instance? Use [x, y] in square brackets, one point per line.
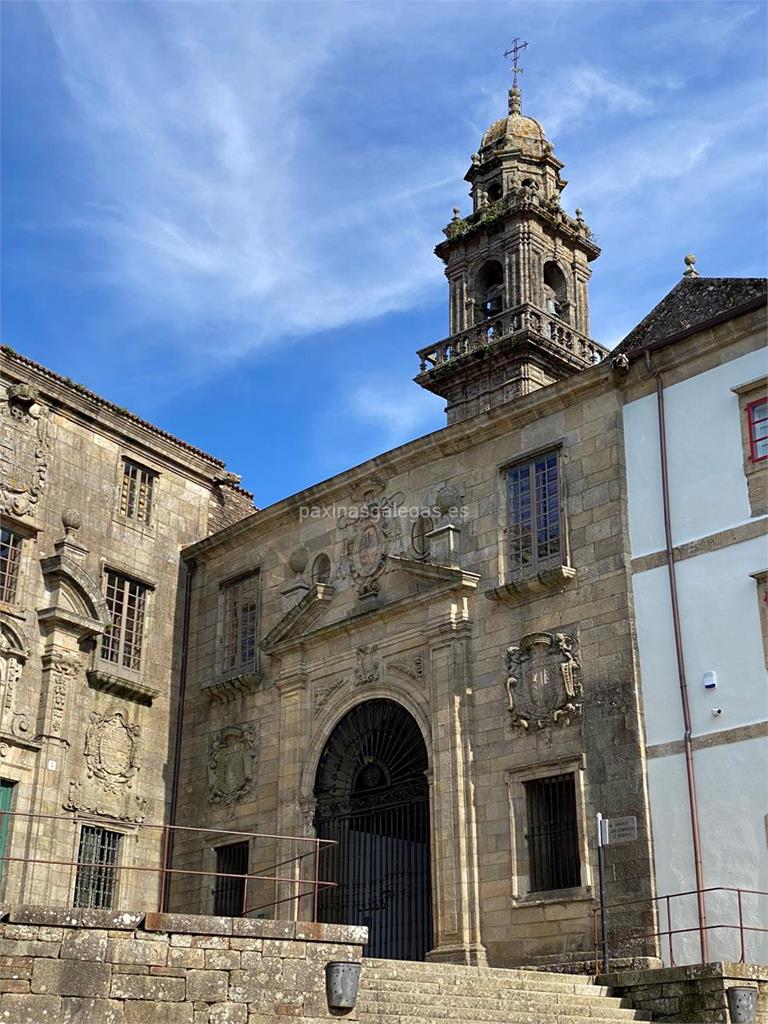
[291, 814]
[456, 899]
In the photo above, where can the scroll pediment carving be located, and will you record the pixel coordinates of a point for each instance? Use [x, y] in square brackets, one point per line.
[299, 619]
[77, 604]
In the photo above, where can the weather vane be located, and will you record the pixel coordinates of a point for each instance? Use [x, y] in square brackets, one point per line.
[512, 52]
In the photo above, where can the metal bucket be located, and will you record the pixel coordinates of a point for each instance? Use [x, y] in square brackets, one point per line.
[341, 981]
[742, 1004]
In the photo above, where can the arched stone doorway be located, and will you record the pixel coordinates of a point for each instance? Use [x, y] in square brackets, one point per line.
[373, 800]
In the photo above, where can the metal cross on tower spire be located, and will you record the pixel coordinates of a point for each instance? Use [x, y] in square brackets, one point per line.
[512, 52]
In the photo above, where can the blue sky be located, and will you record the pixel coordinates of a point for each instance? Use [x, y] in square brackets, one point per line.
[221, 215]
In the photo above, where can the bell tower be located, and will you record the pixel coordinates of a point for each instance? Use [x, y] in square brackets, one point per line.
[518, 273]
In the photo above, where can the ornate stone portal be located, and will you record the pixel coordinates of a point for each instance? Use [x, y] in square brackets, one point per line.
[543, 680]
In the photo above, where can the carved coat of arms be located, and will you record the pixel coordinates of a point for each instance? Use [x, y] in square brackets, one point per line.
[24, 445]
[367, 665]
[112, 750]
[544, 680]
[233, 750]
[372, 531]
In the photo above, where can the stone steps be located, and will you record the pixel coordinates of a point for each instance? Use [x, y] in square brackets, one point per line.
[404, 992]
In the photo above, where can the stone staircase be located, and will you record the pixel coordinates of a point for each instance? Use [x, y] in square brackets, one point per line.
[403, 992]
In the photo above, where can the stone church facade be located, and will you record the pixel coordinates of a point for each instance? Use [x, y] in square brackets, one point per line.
[467, 598]
[429, 659]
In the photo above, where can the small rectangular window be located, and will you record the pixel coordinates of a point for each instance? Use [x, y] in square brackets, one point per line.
[240, 623]
[10, 564]
[229, 893]
[553, 836]
[534, 516]
[122, 642]
[757, 419]
[136, 492]
[96, 879]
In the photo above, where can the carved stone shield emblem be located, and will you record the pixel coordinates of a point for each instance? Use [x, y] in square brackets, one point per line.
[230, 764]
[544, 680]
[111, 749]
[24, 447]
[373, 529]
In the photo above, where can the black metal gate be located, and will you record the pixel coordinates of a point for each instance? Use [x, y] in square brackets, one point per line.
[373, 799]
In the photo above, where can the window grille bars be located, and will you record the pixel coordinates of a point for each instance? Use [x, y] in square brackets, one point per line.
[553, 839]
[228, 892]
[96, 878]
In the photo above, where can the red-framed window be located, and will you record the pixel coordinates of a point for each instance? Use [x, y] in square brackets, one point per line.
[757, 418]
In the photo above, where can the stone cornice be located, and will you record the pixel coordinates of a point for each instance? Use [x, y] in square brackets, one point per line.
[458, 580]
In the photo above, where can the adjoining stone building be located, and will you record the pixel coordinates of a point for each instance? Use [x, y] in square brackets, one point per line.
[430, 658]
[95, 507]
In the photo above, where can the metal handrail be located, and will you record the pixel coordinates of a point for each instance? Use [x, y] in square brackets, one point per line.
[669, 932]
[163, 870]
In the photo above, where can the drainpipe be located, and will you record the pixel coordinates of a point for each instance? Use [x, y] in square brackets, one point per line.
[687, 747]
[168, 835]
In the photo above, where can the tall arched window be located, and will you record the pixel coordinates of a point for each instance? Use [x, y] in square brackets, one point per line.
[555, 291]
[489, 290]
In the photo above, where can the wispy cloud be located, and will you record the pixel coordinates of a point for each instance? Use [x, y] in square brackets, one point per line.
[217, 196]
[587, 93]
[397, 409]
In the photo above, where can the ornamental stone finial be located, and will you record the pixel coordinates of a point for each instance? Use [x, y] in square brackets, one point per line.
[71, 520]
[515, 101]
[579, 215]
[456, 213]
[690, 263]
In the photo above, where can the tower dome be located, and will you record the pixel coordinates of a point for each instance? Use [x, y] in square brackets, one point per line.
[518, 273]
[515, 126]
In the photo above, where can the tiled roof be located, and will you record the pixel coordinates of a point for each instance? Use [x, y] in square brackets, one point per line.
[693, 300]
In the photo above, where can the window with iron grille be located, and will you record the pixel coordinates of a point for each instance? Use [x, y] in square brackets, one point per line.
[97, 858]
[241, 612]
[553, 834]
[10, 564]
[126, 600]
[229, 893]
[534, 516]
[136, 492]
[757, 418]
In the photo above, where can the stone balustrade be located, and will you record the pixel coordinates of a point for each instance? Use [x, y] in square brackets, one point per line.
[524, 317]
